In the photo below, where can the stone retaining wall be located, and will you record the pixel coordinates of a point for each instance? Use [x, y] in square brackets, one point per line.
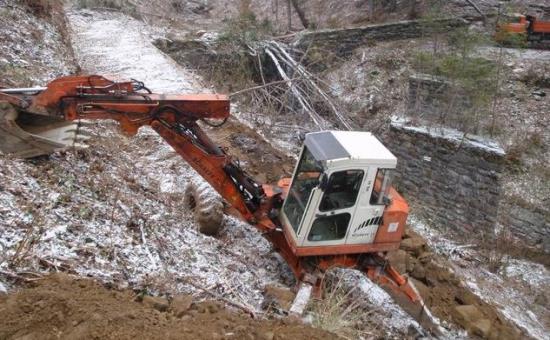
[457, 183]
[526, 221]
[343, 41]
[456, 180]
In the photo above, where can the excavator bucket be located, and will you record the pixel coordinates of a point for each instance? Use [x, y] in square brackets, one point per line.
[29, 135]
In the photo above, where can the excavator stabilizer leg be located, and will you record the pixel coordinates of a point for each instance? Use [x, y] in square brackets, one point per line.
[29, 135]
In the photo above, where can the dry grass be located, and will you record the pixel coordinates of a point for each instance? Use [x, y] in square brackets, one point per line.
[341, 312]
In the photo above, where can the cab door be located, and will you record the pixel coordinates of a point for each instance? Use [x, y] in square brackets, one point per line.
[328, 222]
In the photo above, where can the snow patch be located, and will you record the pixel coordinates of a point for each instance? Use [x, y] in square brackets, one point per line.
[451, 135]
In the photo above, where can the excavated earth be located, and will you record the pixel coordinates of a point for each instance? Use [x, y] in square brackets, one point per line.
[64, 307]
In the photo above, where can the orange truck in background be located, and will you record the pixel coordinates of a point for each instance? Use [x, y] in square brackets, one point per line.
[533, 29]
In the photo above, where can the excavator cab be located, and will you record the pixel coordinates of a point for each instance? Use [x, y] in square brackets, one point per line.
[341, 199]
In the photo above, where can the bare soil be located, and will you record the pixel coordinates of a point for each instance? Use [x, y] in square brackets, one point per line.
[63, 307]
[259, 158]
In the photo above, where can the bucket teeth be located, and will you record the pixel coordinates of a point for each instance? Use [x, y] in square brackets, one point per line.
[29, 135]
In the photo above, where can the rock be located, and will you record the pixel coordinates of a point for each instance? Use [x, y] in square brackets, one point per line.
[398, 259]
[181, 304]
[418, 272]
[467, 298]
[425, 257]
[482, 328]
[415, 245]
[277, 297]
[3, 289]
[245, 143]
[409, 233]
[467, 315]
[156, 302]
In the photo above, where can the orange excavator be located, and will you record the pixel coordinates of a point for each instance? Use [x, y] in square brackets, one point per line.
[527, 26]
[338, 210]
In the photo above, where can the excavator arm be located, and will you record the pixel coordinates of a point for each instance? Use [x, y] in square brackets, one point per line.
[132, 105]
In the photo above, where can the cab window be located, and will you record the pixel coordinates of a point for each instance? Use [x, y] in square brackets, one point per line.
[342, 190]
[329, 228]
[305, 180]
[381, 187]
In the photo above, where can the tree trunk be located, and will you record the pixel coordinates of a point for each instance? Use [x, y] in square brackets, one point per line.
[301, 13]
[289, 14]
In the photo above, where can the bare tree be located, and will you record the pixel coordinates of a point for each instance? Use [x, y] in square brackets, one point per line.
[289, 14]
[301, 13]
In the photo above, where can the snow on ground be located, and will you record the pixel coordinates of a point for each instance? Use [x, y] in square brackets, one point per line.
[451, 135]
[114, 212]
[111, 43]
[111, 221]
[514, 289]
[32, 50]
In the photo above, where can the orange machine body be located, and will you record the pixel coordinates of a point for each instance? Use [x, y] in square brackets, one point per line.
[529, 26]
[174, 118]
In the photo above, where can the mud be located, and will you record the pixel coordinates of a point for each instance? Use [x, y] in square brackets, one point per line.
[446, 295]
[62, 307]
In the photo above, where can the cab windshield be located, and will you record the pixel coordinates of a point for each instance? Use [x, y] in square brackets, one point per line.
[306, 178]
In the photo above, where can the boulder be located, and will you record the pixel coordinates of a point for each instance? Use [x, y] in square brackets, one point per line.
[418, 272]
[415, 245]
[466, 314]
[398, 259]
[469, 317]
[482, 328]
[278, 297]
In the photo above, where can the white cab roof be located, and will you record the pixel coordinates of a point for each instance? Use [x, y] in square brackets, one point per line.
[357, 145]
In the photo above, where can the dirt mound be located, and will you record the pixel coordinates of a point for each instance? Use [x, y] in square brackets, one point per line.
[446, 295]
[63, 307]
